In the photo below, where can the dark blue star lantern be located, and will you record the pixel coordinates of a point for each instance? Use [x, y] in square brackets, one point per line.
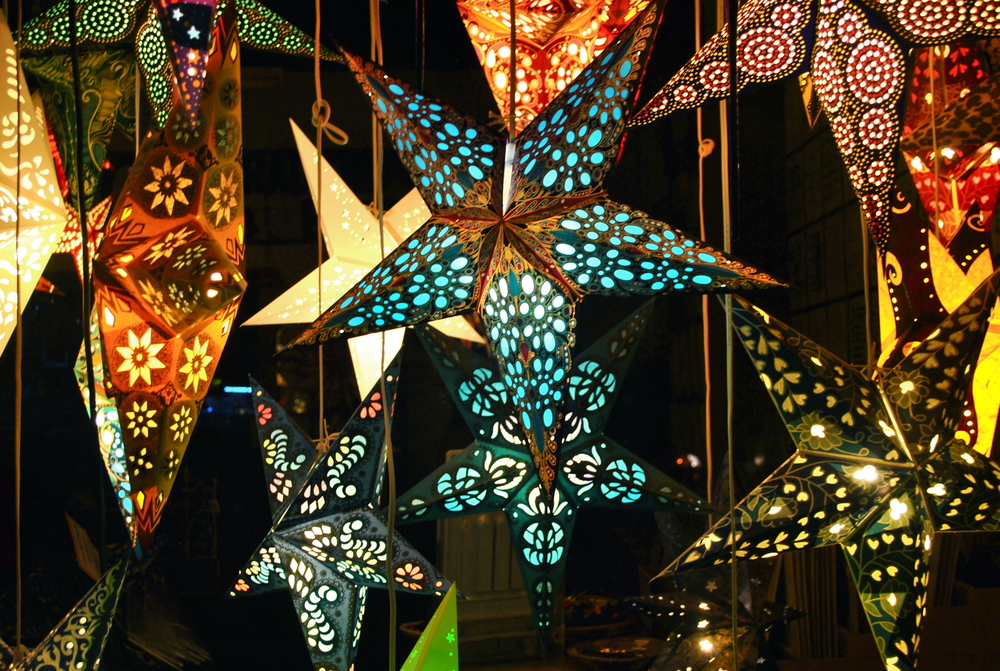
[493, 472]
[878, 468]
[328, 542]
[522, 241]
[187, 27]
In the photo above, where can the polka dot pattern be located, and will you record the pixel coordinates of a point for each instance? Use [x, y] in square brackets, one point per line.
[569, 147]
[771, 45]
[452, 159]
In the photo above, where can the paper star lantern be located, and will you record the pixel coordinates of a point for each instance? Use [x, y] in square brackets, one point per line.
[107, 83]
[877, 468]
[556, 40]
[40, 209]
[169, 278]
[858, 64]
[708, 651]
[110, 22]
[523, 246]
[328, 542]
[437, 648]
[683, 611]
[108, 422]
[352, 237]
[493, 472]
[967, 181]
[938, 250]
[78, 641]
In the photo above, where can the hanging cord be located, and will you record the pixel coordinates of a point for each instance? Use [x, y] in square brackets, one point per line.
[138, 92]
[512, 120]
[88, 291]
[866, 278]
[419, 41]
[18, 344]
[705, 147]
[320, 115]
[934, 141]
[731, 194]
[387, 403]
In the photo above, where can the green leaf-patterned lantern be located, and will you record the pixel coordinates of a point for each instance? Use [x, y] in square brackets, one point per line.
[877, 469]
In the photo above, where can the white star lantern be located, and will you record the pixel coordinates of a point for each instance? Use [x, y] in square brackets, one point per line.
[352, 238]
[38, 204]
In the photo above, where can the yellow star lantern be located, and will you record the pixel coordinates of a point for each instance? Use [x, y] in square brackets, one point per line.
[556, 40]
[878, 469]
[169, 279]
[37, 203]
[351, 234]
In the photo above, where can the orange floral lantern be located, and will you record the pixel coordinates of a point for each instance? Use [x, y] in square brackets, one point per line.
[169, 278]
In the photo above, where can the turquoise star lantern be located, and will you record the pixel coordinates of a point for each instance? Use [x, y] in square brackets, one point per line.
[522, 231]
[493, 473]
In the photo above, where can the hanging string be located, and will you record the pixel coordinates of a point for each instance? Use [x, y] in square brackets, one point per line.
[419, 43]
[18, 344]
[387, 403]
[320, 116]
[704, 149]
[512, 120]
[87, 298]
[731, 206]
[934, 141]
[866, 279]
[138, 92]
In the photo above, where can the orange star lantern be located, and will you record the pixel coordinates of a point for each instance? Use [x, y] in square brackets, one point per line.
[169, 278]
[556, 40]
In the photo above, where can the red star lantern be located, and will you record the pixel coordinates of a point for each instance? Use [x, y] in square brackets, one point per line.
[72, 242]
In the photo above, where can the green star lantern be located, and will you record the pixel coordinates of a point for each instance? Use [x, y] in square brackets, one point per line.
[77, 642]
[877, 469]
[328, 543]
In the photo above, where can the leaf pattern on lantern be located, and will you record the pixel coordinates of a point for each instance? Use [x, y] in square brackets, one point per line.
[77, 642]
[894, 476]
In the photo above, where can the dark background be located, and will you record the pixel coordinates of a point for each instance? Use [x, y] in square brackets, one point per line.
[797, 219]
